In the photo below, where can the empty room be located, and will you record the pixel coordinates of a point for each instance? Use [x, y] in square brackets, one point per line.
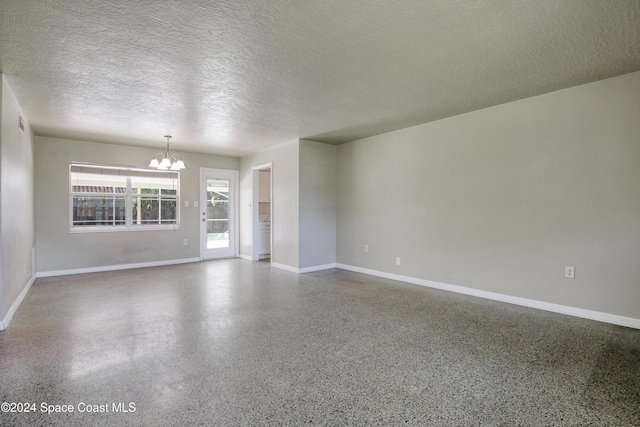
[341, 213]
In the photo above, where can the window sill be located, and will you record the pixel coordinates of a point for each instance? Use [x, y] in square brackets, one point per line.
[120, 228]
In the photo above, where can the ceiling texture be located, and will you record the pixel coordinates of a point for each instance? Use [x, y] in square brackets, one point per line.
[232, 77]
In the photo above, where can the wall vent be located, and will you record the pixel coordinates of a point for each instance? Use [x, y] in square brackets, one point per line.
[20, 122]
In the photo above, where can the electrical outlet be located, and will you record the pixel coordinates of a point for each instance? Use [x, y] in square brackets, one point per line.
[569, 272]
[397, 260]
[195, 204]
[366, 248]
[185, 242]
[186, 203]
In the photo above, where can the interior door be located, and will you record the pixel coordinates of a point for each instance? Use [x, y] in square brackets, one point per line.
[218, 224]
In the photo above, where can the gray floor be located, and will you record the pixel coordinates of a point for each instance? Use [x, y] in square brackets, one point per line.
[238, 343]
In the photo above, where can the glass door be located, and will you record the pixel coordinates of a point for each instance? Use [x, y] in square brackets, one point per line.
[218, 230]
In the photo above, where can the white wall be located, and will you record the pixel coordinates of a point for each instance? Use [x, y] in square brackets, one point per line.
[317, 204]
[284, 201]
[503, 198]
[16, 206]
[58, 250]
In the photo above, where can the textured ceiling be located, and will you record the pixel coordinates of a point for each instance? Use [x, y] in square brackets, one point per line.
[237, 76]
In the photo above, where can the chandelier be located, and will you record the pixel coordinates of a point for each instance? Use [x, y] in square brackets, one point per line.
[167, 161]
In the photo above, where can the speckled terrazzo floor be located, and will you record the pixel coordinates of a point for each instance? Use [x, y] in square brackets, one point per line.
[232, 342]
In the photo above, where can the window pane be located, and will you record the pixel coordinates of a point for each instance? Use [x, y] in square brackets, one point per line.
[168, 212]
[217, 213]
[153, 185]
[98, 210]
[95, 183]
[145, 210]
[154, 200]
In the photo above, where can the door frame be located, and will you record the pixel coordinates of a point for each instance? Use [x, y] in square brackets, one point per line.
[255, 212]
[233, 176]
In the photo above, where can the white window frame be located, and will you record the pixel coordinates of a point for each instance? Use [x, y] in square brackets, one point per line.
[128, 172]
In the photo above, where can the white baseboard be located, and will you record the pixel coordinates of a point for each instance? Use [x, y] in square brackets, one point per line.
[115, 267]
[316, 268]
[304, 269]
[12, 310]
[248, 257]
[541, 305]
[284, 267]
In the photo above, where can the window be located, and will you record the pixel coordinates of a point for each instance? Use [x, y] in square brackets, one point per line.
[154, 200]
[114, 198]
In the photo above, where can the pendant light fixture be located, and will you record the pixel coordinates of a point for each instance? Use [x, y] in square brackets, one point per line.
[167, 161]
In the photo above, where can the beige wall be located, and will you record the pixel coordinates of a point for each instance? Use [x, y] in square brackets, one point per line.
[16, 203]
[503, 198]
[303, 203]
[57, 249]
[284, 202]
[317, 204]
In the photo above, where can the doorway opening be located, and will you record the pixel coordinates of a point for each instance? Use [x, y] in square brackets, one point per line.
[262, 208]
